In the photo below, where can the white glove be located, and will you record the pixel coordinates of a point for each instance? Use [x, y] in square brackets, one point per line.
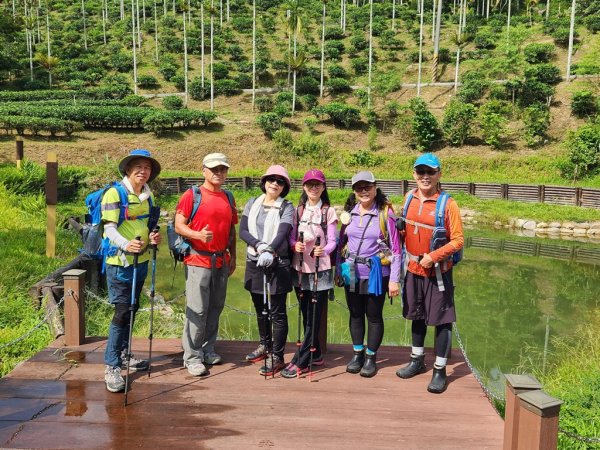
[265, 259]
[260, 248]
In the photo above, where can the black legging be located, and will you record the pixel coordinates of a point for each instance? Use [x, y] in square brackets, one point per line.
[371, 306]
[302, 357]
[443, 337]
[279, 319]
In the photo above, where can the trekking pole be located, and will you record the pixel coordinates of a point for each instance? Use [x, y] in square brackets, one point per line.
[299, 292]
[313, 349]
[152, 293]
[131, 314]
[265, 313]
[270, 323]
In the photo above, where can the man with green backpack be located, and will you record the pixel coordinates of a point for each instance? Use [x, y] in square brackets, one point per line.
[432, 232]
[205, 217]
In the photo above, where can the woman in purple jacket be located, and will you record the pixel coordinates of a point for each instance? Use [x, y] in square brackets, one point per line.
[370, 268]
[313, 238]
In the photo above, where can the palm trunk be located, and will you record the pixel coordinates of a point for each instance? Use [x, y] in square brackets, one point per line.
[322, 50]
[156, 33]
[508, 25]
[135, 89]
[185, 60]
[571, 33]
[436, 43]
[294, 94]
[84, 25]
[143, 12]
[212, 55]
[370, 54]
[103, 25]
[459, 42]
[289, 74]
[202, 44]
[122, 9]
[421, 6]
[393, 15]
[48, 43]
[253, 54]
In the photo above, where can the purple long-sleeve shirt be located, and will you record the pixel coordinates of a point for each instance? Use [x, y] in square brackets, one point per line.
[354, 232]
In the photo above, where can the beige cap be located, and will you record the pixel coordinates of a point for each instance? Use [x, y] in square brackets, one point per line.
[213, 160]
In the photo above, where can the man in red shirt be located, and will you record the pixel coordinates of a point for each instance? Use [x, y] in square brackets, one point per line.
[428, 294]
[211, 261]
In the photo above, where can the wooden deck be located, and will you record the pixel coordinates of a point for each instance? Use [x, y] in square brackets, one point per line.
[57, 399]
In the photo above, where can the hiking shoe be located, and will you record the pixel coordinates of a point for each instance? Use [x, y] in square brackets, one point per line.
[257, 355]
[212, 358]
[292, 371]
[113, 379]
[272, 366]
[320, 361]
[196, 368]
[134, 364]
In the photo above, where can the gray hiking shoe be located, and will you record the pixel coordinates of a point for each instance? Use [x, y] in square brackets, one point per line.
[113, 379]
[257, 355]
[272, 366]
[196, 368]
[212, 358]
[134, 363]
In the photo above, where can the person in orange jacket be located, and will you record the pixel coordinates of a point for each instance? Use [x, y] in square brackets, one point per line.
[428, 294]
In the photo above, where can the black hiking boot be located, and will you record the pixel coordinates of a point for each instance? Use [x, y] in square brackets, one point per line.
[438, 381]
[369, 369]
[414, 367]
[356, 362]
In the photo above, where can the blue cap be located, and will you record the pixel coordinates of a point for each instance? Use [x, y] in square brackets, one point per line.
[428, 159]
[140, 153]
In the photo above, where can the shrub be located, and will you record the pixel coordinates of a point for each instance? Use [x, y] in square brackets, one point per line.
[458, 121]
[359, 65]
[244, 81]
[358, 43]
[339, 113]
[284, 109]
[473, 87]
[444, 56]
[493, 128]
[269, 122]
[544, 73]
[196, 91]
[584, 104]
[236, 53]
[334, 32]
[283, 140]
[536, 119]
[307, 85]
[534, 91]
[418, 125]
[338, 85]
[583, 148]
[485, 41]
[220, 71]
[121, 62]
[227, 87]
[264, 104]
[308, 102]
[311, 123]
[364, 158]
[172, 102]
[592, 23]
[538, 53]
[179, 81]
[308, 146]
[561, 36]
[158, 122]
[336, 71]
[147, 82]
[168, 71]
[284, 96]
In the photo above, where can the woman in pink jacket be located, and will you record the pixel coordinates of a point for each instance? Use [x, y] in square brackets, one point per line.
[313, 238]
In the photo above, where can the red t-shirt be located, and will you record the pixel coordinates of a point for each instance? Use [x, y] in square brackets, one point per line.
[214, 211]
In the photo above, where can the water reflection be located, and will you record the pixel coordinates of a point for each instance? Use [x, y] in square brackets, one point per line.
[514, 294]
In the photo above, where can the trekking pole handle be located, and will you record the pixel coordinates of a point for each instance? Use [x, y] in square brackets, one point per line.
[136, 254]
[156, 229]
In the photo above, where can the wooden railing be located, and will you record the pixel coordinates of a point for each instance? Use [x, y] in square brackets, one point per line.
[556, 195]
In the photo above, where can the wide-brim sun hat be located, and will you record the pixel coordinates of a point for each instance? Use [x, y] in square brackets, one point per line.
[363, 176]
[429, 160]
[276, 171]
[313, 175]
[140, 153]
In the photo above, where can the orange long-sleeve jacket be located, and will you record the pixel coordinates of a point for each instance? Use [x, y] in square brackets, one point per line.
[417, 239]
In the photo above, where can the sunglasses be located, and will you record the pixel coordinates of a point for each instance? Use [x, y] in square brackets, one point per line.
[430, 172]
[279, 181]
[314, 185]
[363, 187]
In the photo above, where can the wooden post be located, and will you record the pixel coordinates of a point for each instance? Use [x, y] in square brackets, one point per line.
[51, 201]
[74, 281]
[541, 193]
[179, 183]
[578, 192]
[471, 188]
[515, 385]
[538, 428]
[19, 152]
[404, 187]
[504, 190]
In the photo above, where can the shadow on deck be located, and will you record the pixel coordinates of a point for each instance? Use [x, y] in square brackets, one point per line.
[57, 399]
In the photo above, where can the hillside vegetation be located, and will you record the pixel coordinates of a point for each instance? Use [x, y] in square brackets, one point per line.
[344, 79]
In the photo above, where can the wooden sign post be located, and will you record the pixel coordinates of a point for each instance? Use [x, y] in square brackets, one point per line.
[51, 201]
[19, 152]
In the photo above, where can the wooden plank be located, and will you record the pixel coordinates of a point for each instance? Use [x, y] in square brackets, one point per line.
[234, 407]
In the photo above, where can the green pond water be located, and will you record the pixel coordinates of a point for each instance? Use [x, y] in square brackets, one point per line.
[513, 295]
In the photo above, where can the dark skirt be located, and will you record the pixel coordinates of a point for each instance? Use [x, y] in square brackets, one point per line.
[280, 278]
[422, 300]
